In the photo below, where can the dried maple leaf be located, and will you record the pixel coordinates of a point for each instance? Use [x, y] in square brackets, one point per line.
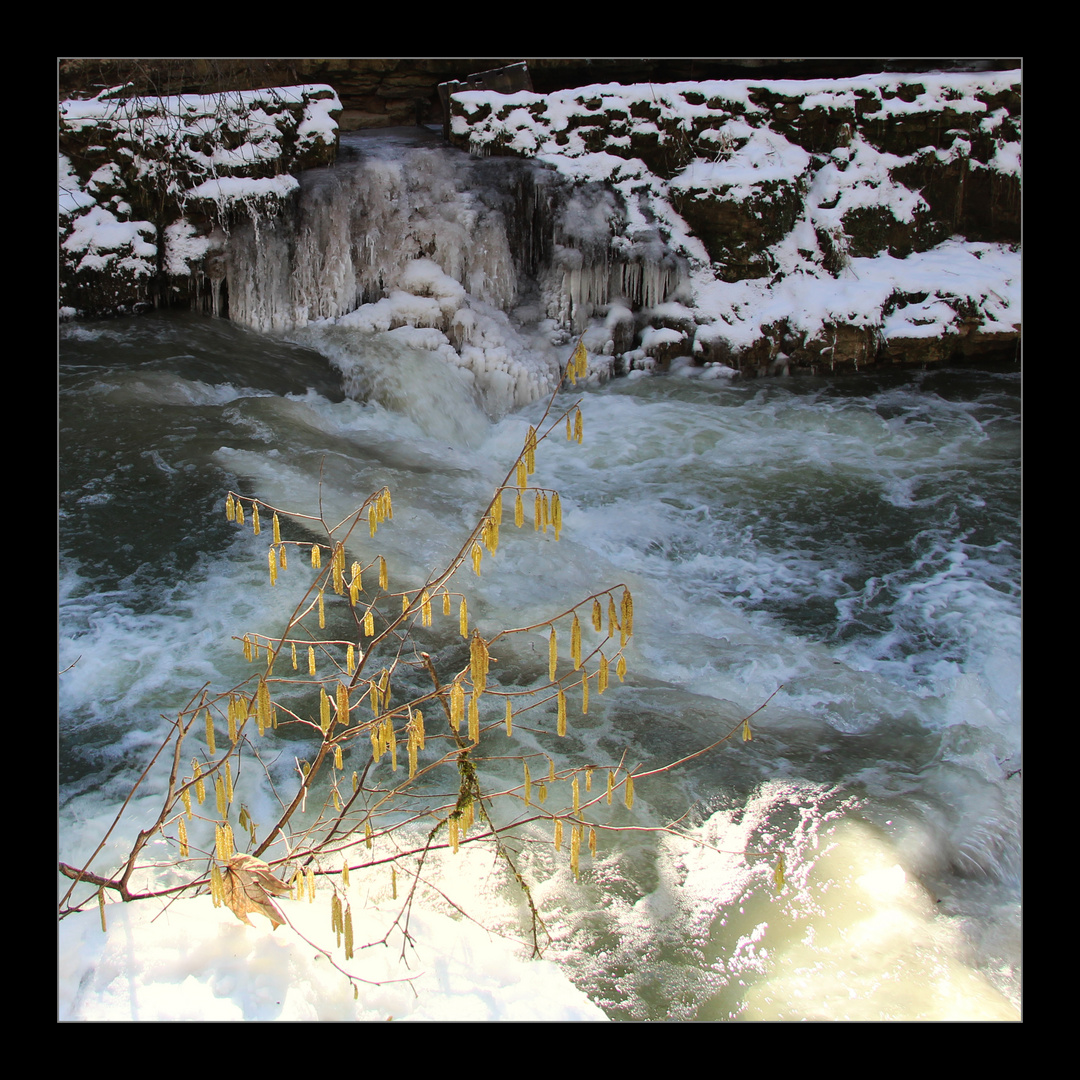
[247, 884]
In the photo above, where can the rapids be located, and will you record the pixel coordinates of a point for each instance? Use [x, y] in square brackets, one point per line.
[852, 541]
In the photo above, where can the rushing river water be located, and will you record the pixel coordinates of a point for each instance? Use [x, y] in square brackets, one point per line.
[854, 541]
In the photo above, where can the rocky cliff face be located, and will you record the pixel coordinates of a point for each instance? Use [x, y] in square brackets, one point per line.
[760, 226]
[148, 186]
[770, 191]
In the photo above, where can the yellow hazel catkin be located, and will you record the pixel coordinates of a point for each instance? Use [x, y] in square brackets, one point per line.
[474, 719]
[337, 565]
[581, 360]
[530, 451]
[627, 613]
[457, 705]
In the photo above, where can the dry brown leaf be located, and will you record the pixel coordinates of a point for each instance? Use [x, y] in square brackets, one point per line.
[248, 884]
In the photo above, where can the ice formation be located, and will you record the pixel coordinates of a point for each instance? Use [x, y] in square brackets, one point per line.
[753, 225]
[487, 265]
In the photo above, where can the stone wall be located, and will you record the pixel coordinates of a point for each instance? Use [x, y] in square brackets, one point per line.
[793, 184]
[147, 185]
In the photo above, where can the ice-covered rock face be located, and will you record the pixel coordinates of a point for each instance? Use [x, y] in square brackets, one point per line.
[764, 225]
[143, 181]
[808, 213]
[489, 264]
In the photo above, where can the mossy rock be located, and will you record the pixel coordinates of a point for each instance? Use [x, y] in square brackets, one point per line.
[103, 292]
[973, 201]
[734, 231]
[870, 230]
[478, 113]
[645, 110]
[908, 133]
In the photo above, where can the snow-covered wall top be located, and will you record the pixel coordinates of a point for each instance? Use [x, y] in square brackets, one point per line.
[131, 168]
[605, 117]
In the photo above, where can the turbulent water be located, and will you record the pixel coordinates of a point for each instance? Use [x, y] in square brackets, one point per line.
[851, 541]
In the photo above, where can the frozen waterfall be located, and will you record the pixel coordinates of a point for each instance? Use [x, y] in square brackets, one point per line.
[491, 264]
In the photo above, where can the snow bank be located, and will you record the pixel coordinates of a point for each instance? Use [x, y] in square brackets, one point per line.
[191, 961]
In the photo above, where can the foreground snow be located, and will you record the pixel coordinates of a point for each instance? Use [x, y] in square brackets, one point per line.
[192, 961]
